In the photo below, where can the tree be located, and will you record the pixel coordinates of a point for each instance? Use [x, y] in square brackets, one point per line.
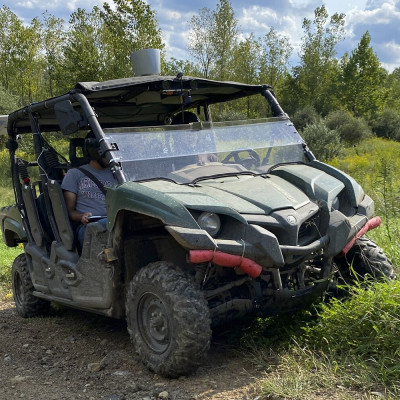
[362, 81]
[246, 66]
[174, 66]
[212, 38]
[53, 38]
[387, 125]
[10, 28]
[275, 53]
[392, 86]
[131, 26]
[20, 56]
[351, 130]
[83, 55]
[313, 82]
[304, 116]
[8, 101]
[225, 38]
[200, 42]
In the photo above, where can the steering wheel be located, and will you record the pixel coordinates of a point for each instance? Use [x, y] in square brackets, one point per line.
[253, 159]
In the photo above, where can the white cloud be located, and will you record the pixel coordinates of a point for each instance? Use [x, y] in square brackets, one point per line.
[392, 49]
[382, 20]
[257, 18]
[25, 4]
[384, 14]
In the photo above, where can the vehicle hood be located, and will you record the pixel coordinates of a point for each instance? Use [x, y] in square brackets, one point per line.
[291, 186]
[243, 194]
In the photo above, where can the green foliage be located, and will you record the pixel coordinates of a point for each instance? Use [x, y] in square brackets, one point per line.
[392, 88]
[313, 82]
[246, 67]
[8, 255]
[363, 77]
[373, 342]
[174, 66]
[53, 34]
[8, 101]
[5, 173]
[375, 165]
[212, 38]
[322, 141]
[275, 53]
[305, 116]
[224, 38]
[131, 26]
[46, 57]
[351, 130]
[387, 125]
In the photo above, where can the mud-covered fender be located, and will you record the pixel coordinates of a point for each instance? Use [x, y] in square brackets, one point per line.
[11, 226]
[141, 199]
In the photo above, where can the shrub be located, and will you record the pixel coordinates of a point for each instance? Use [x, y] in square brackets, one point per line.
[388, 125]
[323, 142]
[305, 116]
[351, 130]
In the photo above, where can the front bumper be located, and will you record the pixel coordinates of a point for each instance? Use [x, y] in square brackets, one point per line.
[262, 247]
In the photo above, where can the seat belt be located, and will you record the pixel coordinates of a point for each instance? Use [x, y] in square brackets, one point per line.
[94, 179]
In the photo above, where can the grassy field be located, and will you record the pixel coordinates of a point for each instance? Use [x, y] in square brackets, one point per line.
[7, 254]
[342, 349]
[349, 348]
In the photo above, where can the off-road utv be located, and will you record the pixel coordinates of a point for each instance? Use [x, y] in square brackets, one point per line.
[209, 221]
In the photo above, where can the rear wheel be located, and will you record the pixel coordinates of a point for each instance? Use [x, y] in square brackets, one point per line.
[26, 303]
[365, 259]
[168, 320]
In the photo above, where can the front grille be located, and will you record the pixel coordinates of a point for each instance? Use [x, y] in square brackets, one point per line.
[309, 230]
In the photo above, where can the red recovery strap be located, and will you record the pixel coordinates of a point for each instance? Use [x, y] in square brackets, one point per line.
[371, 224]
[248, 266]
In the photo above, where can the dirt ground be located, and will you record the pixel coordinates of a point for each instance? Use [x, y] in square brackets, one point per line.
[75, 355]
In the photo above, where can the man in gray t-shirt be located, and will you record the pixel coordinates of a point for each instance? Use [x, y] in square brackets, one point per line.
[83, 197]
[89, 198]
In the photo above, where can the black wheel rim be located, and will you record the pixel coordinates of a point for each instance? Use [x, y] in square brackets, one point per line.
[18, 289]
[153, 322]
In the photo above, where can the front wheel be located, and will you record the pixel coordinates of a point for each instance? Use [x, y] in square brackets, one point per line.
[26, 303]
[365, 259]
[168, 320]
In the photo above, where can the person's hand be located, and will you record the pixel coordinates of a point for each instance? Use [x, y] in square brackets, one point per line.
[85, 218]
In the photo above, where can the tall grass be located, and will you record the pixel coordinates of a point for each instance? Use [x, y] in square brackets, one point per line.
[8, 254]
[344, 349]
[375, 164]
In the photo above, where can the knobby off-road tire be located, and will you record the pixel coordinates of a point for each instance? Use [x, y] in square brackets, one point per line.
[366, 259]
[168, 320]
[26, 303]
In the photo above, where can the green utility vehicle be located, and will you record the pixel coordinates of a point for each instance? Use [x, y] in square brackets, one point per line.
[209, 221]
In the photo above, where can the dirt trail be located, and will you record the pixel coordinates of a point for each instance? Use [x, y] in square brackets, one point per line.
[75, 355]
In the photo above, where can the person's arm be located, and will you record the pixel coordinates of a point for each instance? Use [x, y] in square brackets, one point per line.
[75, 216]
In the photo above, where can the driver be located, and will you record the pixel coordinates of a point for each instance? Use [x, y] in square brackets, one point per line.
[83, 197]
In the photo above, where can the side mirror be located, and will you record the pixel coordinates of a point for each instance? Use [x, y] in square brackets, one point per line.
[68, 118]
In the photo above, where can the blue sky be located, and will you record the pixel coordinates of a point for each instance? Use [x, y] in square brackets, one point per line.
[380, 17]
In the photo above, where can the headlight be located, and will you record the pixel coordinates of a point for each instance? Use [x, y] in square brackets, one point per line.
[210, 222]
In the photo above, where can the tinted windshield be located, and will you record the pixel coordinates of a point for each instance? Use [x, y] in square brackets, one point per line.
[184, 153]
